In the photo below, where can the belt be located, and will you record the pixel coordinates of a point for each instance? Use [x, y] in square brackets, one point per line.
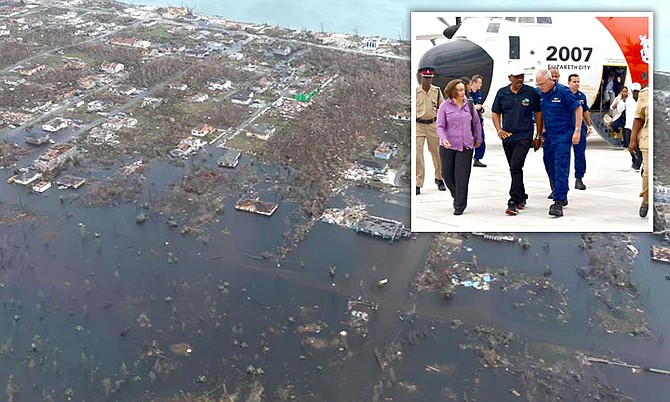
[426, 121]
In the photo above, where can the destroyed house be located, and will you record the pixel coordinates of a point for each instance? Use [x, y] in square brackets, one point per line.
[26, 177]
[374, 166]
[261, 131]
[54, 157]
[110, 67]
[70, 181]
[55, 124]
[255, 206]
[37, 138]
[230, 158]
[243, 97]
[202, 130]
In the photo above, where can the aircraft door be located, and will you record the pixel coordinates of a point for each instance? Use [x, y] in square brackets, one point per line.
[603, 99]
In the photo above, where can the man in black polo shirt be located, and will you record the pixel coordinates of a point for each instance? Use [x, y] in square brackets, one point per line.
[517, 104]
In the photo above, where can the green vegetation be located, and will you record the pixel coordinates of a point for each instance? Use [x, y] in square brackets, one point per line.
[249, 145]
[160, 32]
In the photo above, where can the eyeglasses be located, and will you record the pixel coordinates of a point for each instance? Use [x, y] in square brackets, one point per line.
[542, 84]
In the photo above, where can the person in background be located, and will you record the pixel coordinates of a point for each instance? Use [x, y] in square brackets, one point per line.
[579, 149]
[562, 120]
[555, 75]
[610, 89]
[516, 104]
[631, 104]
[428, 100]
[618, 110]
[475, 90]
[640, 137]
[460, 132]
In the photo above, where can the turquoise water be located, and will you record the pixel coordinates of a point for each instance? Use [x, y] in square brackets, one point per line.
[390, 18]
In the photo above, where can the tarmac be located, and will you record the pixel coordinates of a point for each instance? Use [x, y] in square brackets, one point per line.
[610, 202]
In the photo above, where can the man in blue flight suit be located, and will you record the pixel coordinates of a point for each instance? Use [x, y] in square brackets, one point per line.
[475, 88]
[516, 104]
[580, 148]
[562, 118]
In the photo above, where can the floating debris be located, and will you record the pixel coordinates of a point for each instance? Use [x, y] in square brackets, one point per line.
[181, 349]
[357, 219]
[172, 222]
[141, 217]
[496, 236]
[255, 371]
[256, 206]
[661, 254]
[171, 258]
[223, 287]
[469, 279]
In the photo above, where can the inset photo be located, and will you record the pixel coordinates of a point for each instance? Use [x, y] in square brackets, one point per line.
[532, 122]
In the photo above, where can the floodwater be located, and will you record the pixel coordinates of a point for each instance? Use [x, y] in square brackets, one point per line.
[91, 306]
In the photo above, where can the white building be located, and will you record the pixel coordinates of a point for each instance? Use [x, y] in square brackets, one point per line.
[55, 124]
[112, 68]
[202, 130]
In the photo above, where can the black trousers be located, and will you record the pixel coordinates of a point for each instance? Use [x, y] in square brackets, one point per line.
[456, 167]
[516, 153]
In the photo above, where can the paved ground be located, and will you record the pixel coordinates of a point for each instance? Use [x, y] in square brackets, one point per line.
[609, 204]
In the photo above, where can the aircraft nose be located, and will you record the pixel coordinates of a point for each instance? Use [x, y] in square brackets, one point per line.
[456, 59]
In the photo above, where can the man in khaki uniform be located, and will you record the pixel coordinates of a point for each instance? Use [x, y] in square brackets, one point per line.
[428, 99]
[640, 135]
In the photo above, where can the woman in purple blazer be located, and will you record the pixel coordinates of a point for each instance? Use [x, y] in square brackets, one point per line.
[460, 131]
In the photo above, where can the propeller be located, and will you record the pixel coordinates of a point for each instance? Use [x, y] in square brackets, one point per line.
[450, 30]
[442, 20]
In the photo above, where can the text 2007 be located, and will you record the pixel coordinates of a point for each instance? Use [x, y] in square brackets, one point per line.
[565, 53]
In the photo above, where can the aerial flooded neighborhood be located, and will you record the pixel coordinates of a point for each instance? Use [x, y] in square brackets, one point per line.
[200, 209]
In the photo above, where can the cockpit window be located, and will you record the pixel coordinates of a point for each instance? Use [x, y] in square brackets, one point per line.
[526, 20]
[493, 27]
[510, 19]
[544, 20]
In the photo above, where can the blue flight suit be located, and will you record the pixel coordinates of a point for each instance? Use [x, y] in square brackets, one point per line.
[478, 99]
[580, 148]
[558, 114]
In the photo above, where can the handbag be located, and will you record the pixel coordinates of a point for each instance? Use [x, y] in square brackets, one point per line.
[472, 122]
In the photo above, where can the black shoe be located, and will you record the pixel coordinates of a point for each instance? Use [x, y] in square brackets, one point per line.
[478, 163]
[440, 185]
[556, 209]
[418, 190]
[564, 203]
[521, 205]
[579, 184]
[511, 209]
[644, 208]
[551, 195]
[458, 212]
